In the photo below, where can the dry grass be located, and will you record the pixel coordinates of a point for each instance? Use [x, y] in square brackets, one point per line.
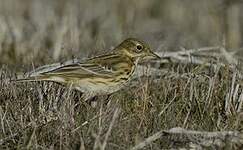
[46, 115]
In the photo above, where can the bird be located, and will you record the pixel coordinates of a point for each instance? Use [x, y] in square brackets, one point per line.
[100, 75]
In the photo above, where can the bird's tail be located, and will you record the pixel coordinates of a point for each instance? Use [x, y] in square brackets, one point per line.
[28, 79]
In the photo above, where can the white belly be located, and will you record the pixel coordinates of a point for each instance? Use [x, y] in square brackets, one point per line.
[100, 88]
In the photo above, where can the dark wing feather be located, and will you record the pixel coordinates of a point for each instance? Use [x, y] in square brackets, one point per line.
[98, 66]
[50, 67]
[80, 70]
[102, 66]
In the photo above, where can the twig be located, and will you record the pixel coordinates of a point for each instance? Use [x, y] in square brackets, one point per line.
[195, 138]
[148, 140]
[115, 115]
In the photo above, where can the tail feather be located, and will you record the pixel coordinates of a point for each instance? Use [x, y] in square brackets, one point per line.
[41, 78]
[28, 79]
[24, 80]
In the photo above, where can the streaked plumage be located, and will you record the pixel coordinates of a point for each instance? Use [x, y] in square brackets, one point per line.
[100, 75]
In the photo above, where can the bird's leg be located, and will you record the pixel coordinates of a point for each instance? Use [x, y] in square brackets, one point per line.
[92, 101]
[44, 94]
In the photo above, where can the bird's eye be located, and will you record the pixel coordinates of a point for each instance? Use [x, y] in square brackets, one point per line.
[139, 47]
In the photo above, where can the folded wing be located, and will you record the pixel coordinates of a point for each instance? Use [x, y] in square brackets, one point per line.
[70, 70]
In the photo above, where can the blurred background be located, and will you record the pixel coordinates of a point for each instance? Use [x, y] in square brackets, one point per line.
[45, 31]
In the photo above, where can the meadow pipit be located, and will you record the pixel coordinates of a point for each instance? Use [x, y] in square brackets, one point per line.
[100, 75]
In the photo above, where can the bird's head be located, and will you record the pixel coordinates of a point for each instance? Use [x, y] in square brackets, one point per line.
[136, 49]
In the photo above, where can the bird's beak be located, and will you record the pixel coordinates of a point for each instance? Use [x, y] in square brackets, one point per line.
[152, 55]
